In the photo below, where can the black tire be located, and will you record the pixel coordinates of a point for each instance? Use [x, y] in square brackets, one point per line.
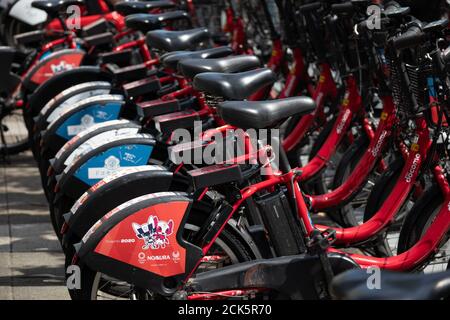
[418, 219]
[318, 185]
[89, 277]
[344, 215]
[380, 191]
[383, 188]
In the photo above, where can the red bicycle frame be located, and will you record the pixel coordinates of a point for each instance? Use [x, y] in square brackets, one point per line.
[351, 104]
[326, 88]
[367, 163]
[347, 236]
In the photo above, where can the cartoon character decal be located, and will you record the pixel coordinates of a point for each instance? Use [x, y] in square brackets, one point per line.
[154, 232]
[54, 63]
[147, 239]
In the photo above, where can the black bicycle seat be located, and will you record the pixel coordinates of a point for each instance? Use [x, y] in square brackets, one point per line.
[436, 26]
[132, 7]
[166, 40]
[352, 285]
[171, 59]
[396, 12]
[191, 67]
[234, 86]
[145, 22]
[263, 114]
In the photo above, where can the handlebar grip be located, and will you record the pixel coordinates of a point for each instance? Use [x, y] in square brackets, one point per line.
[411, 38]
[363, 25]
[313, 6]
[342, 8]
[394, 12]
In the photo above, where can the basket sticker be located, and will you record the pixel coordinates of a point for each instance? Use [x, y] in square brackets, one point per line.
[112, 160]
[147, 239]
[94, 143]
[87, 117]
[84, 133]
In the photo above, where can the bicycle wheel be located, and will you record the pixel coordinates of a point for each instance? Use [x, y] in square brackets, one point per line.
[387, 242]
[321, 182]
[417, 223]
[13, 132]
[98, 286]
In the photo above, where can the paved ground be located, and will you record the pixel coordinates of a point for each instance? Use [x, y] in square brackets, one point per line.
[31, 262]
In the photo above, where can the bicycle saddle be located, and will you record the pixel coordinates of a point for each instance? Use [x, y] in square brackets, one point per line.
[191, 67]
[176, 40]
[234, 86]
[132, 7]
[171, 59]
[145, 22]
[352, 285]
[263, 114]
[53, 7]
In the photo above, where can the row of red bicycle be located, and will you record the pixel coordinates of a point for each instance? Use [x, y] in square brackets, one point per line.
[271, 151]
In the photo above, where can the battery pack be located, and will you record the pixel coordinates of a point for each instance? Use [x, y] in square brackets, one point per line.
[279, 220]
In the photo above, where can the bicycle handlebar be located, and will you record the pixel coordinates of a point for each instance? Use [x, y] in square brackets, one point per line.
[342, 8]
[310, 7]
[411, 38]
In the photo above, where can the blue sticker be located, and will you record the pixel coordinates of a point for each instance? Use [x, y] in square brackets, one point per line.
[45, 55]
[87, 117]
[431, 88]
[112, 160]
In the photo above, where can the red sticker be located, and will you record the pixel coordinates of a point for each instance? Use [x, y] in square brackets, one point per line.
[147, 239]
[56, 65]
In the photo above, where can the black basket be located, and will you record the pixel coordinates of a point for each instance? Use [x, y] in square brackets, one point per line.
[408, 84]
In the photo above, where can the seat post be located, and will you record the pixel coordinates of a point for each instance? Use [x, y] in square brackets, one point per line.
[284, 164]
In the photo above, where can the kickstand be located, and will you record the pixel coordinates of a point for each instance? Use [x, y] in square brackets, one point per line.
[318, 245]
